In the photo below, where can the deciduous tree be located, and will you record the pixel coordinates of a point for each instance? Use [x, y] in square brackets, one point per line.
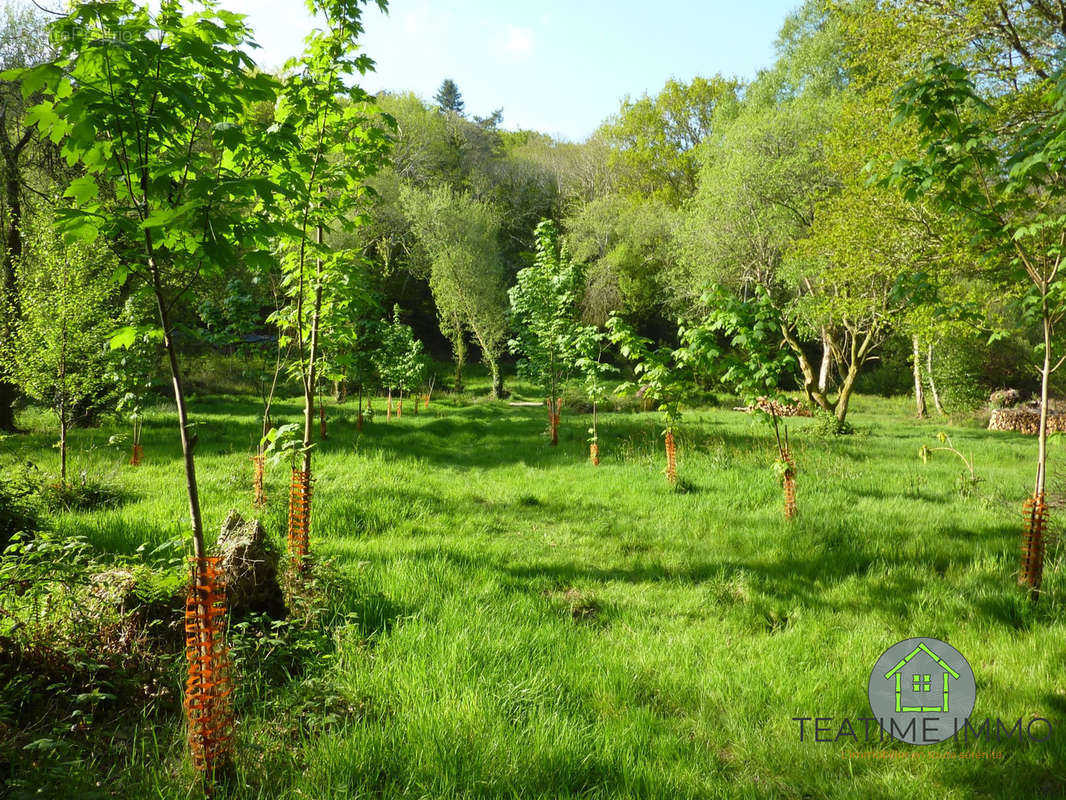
[59, 353]
[1007, 188]
[544, 309]
[458, 236]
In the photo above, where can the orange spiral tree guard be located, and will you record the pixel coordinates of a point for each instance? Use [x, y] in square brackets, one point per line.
[135, 457]
[299, 517]
[359, 422]
[789, 481]
[594, 454]
[1032, 571]
[258, 491]
[208, 690]
[553, 418]
[427, 401]
[671, 458]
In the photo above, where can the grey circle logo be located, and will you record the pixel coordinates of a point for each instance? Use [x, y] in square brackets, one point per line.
[922, 691]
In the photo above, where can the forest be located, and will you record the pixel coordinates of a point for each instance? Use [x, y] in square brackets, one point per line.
[359, 445]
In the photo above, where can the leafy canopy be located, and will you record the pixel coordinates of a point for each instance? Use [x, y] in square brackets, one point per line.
[544, 310]
[159, 117]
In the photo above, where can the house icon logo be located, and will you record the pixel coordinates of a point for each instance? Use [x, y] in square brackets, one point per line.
[922, 691]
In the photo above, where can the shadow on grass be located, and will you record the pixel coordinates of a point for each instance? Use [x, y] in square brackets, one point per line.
[472, 437]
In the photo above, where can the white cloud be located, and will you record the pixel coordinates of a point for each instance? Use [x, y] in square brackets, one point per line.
[519, 41]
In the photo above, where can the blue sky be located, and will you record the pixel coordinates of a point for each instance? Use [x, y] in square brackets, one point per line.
[555, 66]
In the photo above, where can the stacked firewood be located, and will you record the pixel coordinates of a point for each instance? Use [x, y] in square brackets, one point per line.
[792, 409]
[1024, 420]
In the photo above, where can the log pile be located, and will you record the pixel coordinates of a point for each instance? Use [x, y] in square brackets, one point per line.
[1024, 420]
[1005, 398]
[792, 409]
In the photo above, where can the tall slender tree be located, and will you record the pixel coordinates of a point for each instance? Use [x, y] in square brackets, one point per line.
[59, 352]
[332, 139]
[1008, 190]
[159, 120]
[545, 303]
[157, 109]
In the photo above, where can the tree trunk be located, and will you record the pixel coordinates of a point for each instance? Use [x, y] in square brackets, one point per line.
[844, 397]
[460, 358]
[827, 360]
[312, 356]
[62, 444]
[1045, 379]
[919, 388]
[810, 382]
[188, 442]
[497, 380]
[9, 298]
[932, 383]
[1032, 563]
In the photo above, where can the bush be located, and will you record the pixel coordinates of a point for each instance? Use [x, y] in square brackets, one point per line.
[827, 425]
[84, 494]
[957, 370]
[967, 369]
[19, 503]
[71, 670]
[576, 400]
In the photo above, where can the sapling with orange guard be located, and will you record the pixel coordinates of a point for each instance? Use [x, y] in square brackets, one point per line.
[663, 375]
[590, 343]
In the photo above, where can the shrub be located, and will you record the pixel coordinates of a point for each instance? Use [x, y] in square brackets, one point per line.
[957, 370]
[827, 425]
[19, 504]
[84, 494]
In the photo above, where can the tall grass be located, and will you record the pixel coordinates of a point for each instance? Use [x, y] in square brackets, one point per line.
[516, 623]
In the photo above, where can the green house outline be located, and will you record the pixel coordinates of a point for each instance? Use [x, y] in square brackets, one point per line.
[921, 648]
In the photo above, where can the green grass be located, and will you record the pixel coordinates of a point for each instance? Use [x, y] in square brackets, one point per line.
[527, 625]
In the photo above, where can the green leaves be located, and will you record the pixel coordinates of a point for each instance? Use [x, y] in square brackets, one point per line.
[168, 216]
[544, 311]
[82, 190]
[78, 226]
[282, 442]
[165, 184]
[664, 376]
[34, 79]
[129, 335]
[123, 338]
[400, 358]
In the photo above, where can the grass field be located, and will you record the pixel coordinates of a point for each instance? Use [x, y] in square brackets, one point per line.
[513, 622]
